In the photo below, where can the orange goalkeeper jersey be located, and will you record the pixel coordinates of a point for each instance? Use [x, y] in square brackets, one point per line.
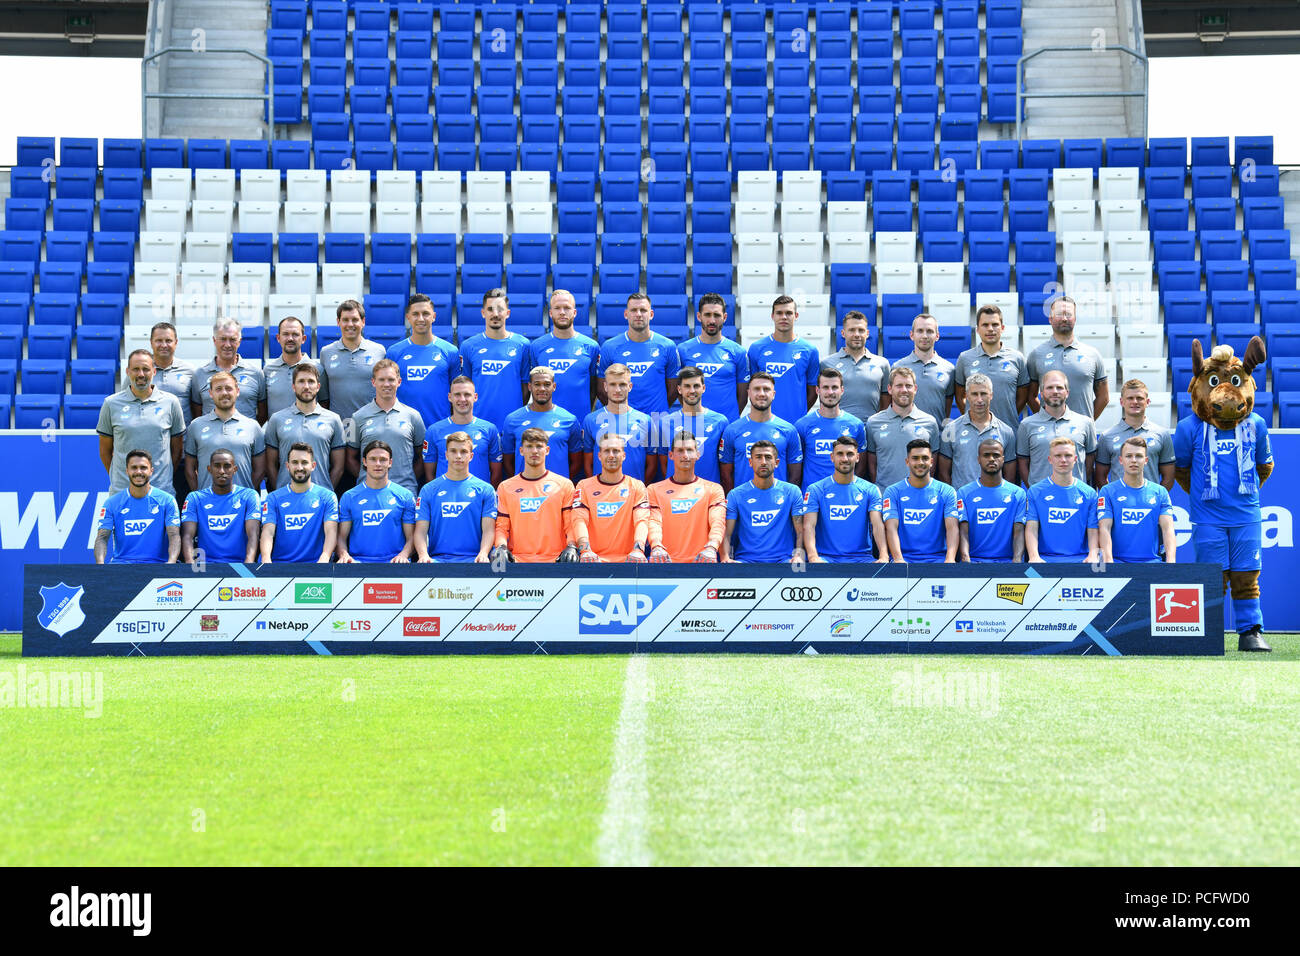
[611, 517]
[533, 516]
[687, 518]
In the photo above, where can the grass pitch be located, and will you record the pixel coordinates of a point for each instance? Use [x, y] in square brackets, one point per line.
[663, 759]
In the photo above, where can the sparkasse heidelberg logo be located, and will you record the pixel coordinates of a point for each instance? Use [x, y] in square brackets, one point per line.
[616, 610]
[382, 594]
[1178, 609]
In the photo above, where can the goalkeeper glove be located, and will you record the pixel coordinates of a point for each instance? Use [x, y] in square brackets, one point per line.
[589, 557]
[569, 554]
[708, 556]
[636, 556]
[659, 555]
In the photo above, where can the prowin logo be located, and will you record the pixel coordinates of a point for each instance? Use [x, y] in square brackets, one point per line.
[75, 909]
[506, 595]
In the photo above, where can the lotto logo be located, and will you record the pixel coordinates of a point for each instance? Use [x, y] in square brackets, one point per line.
[417, 373]
[842, 512]
[638, 368]
[219, 522]
[136, 526]
[762, 519]
[988, 515]
[1131, 515]
[607, 509]
[1060, 515]
[528, 506]
[452, 509]
[914, 516]
[681, 506]
[822, 446]
[373, 519]
[296, 522]
[777, 369]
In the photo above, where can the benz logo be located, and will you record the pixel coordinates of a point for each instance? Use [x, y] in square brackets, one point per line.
[801, 594]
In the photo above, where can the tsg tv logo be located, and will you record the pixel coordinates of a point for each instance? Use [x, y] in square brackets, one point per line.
[613, 610]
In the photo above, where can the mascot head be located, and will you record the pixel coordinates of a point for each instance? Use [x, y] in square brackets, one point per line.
[1223, 393]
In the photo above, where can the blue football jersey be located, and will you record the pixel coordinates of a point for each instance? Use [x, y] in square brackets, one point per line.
[575, 362]
[764, 531]
[921, 514]
[991, 515]
[427, 371]
[725, 366]
[843, 518]
[455, 511]
[636, 430]
[794, 365]
[139, 525]
[299, 521]
[563, 428]
[487, 445]
[1231, 509]
[1064, 515]
[498, 368]
[739, 437]
[652, 363]
[377, 516]
[219, 521]
[1135, 519]
[707, 427]
[818, 435]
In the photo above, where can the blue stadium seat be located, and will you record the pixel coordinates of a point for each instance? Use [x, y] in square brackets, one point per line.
[850, 279]
[1179, 275]
[1236, 334]
[55, 308]
[667, 247]
[936, 217]
[93, 376]
[384, 310]
[74, 215]
[1286, 373]
[943, 246]
[79, 411]
[52, 343]
[1040, 154]
[26, 215]
[390, 279]
[1210, 151]
[1126, 151]
[1027, 215]
[1082, 153]
[1215, 213]
[1181, 335]
[1167, 151]
[436, 278]
[60, 277]
[476, 279]
[1184, 308]
[1257, 149]
[163, 152]
[79, 152]
[71, 182]
[19, 276]
[1279, 275]
[1220, 244]
[1000, 154]
[1174, 246]
[620, 248]
[43, 376]
[108, 277]
[1262, 212]
[1165, 215]
[891, 217]
[98, 341]
[123, 154]
[1211, 181]
[298, 247]
[1223, 275]
[8, 377]
[484, 248]
[1259, 181]
[900, 310]
[37, 411]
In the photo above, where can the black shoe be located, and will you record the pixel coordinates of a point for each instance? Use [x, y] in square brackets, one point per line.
[1253, 640]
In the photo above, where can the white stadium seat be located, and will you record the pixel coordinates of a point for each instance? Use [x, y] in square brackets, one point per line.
[441, 185]
[896, 278]
[1128, 245]
[170, 184]
[757, 277]
[155, 277]
[283, 305]
[304, 185]
[949, 308]
[530, 186]
[942, 277]
[1077, 215]
[295, 278]
[259, 215]
[160, 247]
[896, 247]
[1071, 184]
[165, 215]
[801, 216]
[207, 246]
[486, 216]
[802, 247]
[396, 215]
[349, 216]
[1082, 246]
[485, 186]
[849, 247]
[259, 185]
[758, 185]
[801, 185]
[212, 215]
[345, 277]
[846, 216]
[304, 216]
[755, 216]
[757, 247]
[395, 185]
[440, 217]
[1121, 214]
[214, 184]
[350, 185]
[1117, 183]
[1142, 341]
[250, 278]
[532, 217]
[807, 278]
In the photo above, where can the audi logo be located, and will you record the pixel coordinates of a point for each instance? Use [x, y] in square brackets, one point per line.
[801, 594]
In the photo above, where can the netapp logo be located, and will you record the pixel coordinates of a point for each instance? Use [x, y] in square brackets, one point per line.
[801, 594]
[731, 594]
[281, 626]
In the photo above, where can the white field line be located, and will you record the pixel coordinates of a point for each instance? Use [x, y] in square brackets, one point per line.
[623, 838]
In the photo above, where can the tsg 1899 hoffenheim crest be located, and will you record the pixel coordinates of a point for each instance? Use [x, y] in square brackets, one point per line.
[61, 609]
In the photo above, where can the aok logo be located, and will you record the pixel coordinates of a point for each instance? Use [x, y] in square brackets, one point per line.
[988, 515]
[296, 522]
[616, 610]
[681, 506]
[313, 593]
[915, 515]
[1132, 515]
[220, 522]
[494, 366]
[530, 506]
[607, 509]
[1060, 515]
[136, 526]
[762, 519]
[417, 373]
[452, 509]
[373, 519]
[842, 512]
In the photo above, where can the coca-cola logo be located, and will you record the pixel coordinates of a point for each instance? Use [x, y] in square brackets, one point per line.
[421, 626]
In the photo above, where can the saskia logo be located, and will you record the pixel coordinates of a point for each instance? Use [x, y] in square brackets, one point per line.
[616, 610]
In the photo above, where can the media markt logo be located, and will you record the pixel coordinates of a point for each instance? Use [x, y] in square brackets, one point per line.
[1015, 593]
[909, 625]
[313, 593]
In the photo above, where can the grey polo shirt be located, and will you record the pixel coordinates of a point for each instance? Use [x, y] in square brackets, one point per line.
[241, 434]
[347, 375]
[278, 388]
[1035, 437]
[252, 387]
[1007, 369]
[176, 378]
[934, 383]
[1160, 448]
[865, 380]
[960, 442]
[403, 429]
[887, 436]
[1083, 367]
[147, 424]
[322, 430]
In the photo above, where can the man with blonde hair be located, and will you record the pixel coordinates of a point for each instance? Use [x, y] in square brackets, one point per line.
[225, 427]
[1133, 400]
[390, 421]
[1061, 511]
[611, 510]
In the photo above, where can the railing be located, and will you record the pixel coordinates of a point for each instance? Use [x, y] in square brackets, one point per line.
[145, 96]
[1022, 94]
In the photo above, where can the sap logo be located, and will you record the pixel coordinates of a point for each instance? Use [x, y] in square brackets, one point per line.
[296, 522]
[1226, 446]
[136, 526]
[639, 368]
[494, 366]
[778, 369]
[1081, 594]
[681, 506]
[452, 509]
[1060, 515]
[417, 373]
[1131, 515]
[607, 509]
[822, 446]
[528, 506]
[762, 519]
[914, 516]
[842, 512]
[373, 519]
[988, 515]
[220, 522]
[561, 365]
[617, 610]
[709, 368]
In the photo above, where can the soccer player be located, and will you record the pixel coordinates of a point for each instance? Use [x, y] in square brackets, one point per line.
[705, 424]
[764, 514]
[300, 519]
[960, 439]
[497, 360]
[306, 421]
[562, 428]
[1145, 513]
[349, 362]
[534, 508]
[739, 438]
[456, 512]
[611, 510]
[1061, 511]
[1133, 399]
[826, 422]
[651, 357]
[486, 463]
[1004, 366]
[618, 417]
[377, 517]
[142, 415]
[890, 430]
[143, 521]
[723, 363]
[866, 375]
[791, 362]
[227, 333]
[1089, 393]
[224, 519]
[933, 372]
[279, 372]
[574, 358]
[225, 427]
[386, 419]
[427, 363]
[688, 514]
[920, 512]
[842, 512]
[991, 510]
[1055, 420]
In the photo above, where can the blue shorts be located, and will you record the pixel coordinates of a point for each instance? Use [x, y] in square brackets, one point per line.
[1233, 549]
[1063, 558]
[975, 559]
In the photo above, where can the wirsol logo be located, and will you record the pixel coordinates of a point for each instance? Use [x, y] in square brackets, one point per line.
[313, 593]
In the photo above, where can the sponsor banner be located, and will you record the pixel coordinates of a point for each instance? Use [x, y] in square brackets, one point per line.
[1080, 593]
[380, 592]
[941, 594]
[1050, 624]
[352, 624]
[689, 625]
[800, 591]
[491, 626]
[254, 593]
[202, 626]
[310, 592]
[1177, 610]
[455, 593]
[842, 626]
[1009, 593]
[741, 593]
[773, 626]
[912, 627]
[509, 594]
[171, 594]
[283, 625]
[878, 594]
[980, 626]
[137, 627]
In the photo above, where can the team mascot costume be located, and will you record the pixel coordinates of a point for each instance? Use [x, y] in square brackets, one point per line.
[1222, 457]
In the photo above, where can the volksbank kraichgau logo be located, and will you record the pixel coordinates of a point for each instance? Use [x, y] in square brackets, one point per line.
[616, 610]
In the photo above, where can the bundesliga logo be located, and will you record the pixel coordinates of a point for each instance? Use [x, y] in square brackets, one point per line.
[1177, 610]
